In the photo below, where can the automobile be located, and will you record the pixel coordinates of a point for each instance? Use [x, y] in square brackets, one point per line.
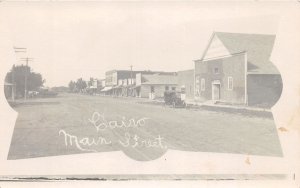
[174, 98]
[32, 94]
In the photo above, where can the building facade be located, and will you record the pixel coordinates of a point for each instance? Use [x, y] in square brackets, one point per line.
[153, 86]
[235, 68]
[222, 79]
[126, 83]
[186, 82]
[118, 82]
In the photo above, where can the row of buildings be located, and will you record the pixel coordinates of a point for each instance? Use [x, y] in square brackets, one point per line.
[234, 69]
[144, 84]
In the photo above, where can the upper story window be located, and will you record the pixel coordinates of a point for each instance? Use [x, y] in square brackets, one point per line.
[230, 83]
[173, 88]
[216, 70]
[152, 89]
[167, 88]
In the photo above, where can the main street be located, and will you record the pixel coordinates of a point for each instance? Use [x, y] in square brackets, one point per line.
[74, 123]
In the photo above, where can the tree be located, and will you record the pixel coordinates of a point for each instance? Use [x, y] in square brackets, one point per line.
[81, 84]
[91, 81]
[17, 77]
[72, 86]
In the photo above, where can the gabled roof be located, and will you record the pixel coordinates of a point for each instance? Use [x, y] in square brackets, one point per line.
[257, 46]
[157, 79]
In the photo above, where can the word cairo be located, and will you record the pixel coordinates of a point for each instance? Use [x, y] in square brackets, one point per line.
[101, 124]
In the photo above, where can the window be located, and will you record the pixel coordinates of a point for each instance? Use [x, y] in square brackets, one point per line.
[167, 88]
[230, 83]
[183, 89]
[173, 88]
[152, 89]
[216, 70]
[125, 82]
[202, 84]
[197, 86]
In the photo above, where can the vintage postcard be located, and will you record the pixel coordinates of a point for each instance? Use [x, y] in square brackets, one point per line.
[150, 91]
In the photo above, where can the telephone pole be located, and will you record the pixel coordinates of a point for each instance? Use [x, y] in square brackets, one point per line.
[14, 86]
[27, 59]
[131, 82]
[131, 75]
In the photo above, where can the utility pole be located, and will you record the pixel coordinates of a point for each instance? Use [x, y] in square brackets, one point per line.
[131, 81]
[27, 59]
[131, 75]
[14, 85]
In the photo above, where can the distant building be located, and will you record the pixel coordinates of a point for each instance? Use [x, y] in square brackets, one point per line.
[115, 80]
[100, 84]
[154, 85]
[235, 68]
[9, 90]
[124, 83]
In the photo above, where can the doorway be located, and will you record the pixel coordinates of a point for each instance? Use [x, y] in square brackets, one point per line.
[216, 86]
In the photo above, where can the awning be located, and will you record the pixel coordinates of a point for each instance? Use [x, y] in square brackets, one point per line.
[130, 86]
[135, 86]
[106, 88]
[8, 84]
[117, 87]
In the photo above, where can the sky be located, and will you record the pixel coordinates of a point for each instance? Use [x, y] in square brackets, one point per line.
[73, 40]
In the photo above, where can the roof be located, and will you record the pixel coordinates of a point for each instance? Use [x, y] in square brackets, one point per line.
[189, 71]
[117, 87]
[257, 46]
[138, 71]
[157, 79]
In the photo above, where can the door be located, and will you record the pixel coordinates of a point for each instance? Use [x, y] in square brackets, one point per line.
[216, 92]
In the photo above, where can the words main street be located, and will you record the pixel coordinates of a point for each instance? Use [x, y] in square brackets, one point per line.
[101, 124]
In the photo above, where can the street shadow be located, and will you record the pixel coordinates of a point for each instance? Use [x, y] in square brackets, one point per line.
[31, 103]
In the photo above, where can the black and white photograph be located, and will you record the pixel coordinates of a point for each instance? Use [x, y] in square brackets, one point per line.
[149, 82]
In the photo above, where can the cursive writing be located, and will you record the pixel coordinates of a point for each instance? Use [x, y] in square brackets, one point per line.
[136, 141]
[84, 142]
[100, 123]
